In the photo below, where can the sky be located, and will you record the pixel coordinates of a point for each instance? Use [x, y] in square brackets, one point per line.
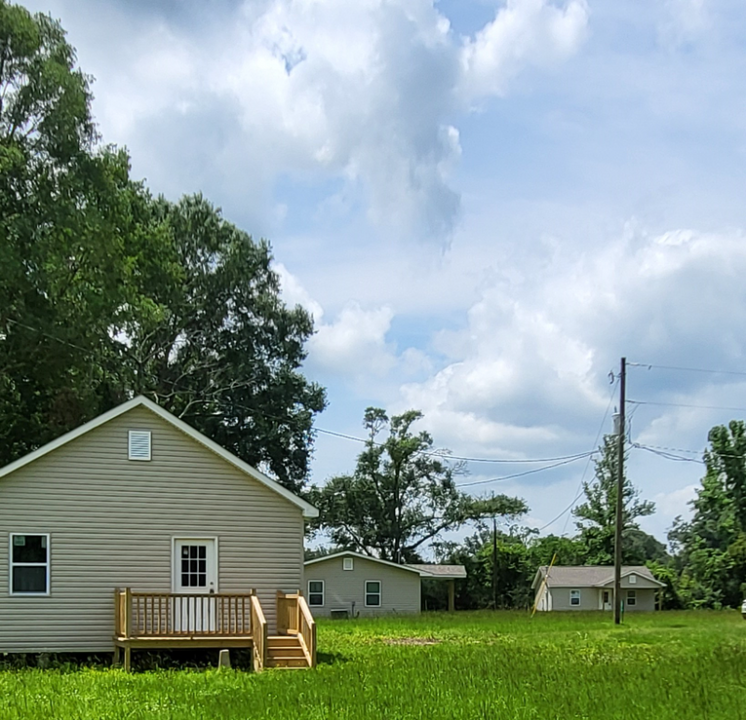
[485, 204]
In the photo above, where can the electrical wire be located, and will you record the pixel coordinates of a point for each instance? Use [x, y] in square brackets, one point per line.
[650, 366]
[580, 492]
[685, 405]
[527, 472]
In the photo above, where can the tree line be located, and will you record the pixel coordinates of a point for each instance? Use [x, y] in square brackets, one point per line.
[402, 496]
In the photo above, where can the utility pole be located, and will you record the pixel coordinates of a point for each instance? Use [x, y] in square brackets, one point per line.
[619, 498]
[494, 563]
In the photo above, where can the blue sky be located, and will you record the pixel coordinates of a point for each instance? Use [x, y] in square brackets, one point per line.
[485, 204]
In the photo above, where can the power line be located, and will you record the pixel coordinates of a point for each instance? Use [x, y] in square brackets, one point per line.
[686, 405]
[667, 455]
[527, 472]
[679, 368]
[449, 456]
[585, 469]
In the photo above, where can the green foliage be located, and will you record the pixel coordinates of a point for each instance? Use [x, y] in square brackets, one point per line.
[597, 515]
[401, 495]
[711, 548]
[670, 666]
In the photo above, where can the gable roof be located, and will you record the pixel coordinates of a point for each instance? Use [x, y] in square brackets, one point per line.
[140, 401]
[350, 553]
[588, 575]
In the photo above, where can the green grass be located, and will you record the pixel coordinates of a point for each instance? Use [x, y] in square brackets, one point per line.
[467, 665]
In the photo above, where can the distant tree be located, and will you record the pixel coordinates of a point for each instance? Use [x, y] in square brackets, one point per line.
[597, 515]
[710, 549]
[401, 495]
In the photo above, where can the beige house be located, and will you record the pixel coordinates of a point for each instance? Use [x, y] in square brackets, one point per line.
[591, 587]
[135, 530]
[349, 584]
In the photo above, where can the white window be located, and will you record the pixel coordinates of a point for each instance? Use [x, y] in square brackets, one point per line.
[347, 564]
[29, 564]
[633, 579]
[372, 593]
[574, 597]
[631, 597]
[316, 593]
[139, 444]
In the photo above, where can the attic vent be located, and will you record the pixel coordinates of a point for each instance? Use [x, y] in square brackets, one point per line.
[139, 445]
[632, 579]
[347, 564]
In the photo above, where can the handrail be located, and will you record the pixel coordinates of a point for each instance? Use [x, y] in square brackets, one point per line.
[259, 625]
[306, 630]
[143, 615]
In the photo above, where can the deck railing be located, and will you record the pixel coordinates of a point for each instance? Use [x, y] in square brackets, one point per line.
[149, 615]
[261, 633]
[294, 617]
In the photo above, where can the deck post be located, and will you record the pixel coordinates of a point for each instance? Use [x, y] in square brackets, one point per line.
[126, 630]
[117, 658]
[451, 595]
[127, 658]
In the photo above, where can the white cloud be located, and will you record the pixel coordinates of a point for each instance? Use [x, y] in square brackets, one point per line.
[355, 343]
[362, 91]
[529, 374]
[531, 32]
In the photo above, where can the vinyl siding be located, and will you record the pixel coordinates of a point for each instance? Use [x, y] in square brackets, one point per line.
[112, 522]
[400, 589]
[590, 599]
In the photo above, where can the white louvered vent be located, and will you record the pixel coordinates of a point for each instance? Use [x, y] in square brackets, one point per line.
[139, 445]
[347, 564]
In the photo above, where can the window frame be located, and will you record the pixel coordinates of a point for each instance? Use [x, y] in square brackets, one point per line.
[348, 564]
[135, 458]
[12, 565]
[379, 593]
[631, 595]
[573, 597]
[322, 593]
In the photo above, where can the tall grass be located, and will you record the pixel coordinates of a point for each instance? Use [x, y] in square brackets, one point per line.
[467, 665]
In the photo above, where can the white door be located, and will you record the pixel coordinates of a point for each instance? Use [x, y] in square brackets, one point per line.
[607, 599]
[195, 573]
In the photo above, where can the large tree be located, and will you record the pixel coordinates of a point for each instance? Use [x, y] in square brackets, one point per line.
[106, 292]
[597, 515]
[711, 548]
[215, 344]
[402, 495]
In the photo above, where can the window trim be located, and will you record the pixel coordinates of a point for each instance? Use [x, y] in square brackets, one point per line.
[322, 593]
[12, 565]
[135, 458]
[631, 595]
[379, 593]
[577, 604]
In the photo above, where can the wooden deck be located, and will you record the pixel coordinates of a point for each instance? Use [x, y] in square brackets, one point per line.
[221, 620]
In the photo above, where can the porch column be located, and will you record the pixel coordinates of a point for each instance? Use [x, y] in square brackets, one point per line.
[451, 595]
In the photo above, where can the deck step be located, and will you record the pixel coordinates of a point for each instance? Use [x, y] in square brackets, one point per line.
[285, 651]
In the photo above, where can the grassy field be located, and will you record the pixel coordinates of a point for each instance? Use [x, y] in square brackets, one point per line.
[467, 665]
